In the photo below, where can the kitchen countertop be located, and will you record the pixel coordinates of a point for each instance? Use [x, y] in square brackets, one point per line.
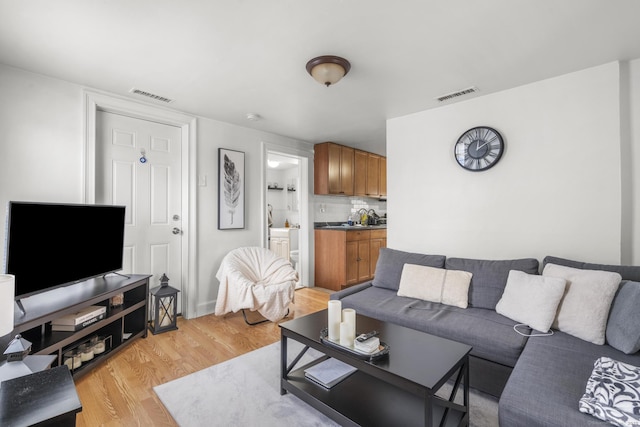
[346, 227]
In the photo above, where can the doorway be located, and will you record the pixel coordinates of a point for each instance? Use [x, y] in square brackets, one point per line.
[286, 208]
[95, 103]
[138, 165]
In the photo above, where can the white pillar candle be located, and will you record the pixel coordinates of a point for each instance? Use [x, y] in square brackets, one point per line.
[349, 317]
[346, 335]
[335, 317]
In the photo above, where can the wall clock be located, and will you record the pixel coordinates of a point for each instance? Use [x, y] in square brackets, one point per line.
[479, 148]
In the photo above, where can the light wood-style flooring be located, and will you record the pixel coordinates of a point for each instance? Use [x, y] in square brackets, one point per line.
[119, 392]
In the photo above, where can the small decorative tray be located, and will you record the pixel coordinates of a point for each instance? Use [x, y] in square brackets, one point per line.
[383, 350]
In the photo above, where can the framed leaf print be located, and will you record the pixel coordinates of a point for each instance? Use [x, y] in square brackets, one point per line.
[230, 189]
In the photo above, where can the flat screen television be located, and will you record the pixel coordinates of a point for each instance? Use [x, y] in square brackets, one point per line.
[49, 245]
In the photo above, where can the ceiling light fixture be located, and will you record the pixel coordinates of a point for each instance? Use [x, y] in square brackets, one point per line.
[328, 69]
[253, 117]
[273, 163]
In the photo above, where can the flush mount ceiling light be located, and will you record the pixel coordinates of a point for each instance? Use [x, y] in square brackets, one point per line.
[328, 69]
[273, 163]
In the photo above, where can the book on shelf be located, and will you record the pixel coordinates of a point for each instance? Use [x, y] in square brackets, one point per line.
[81, 316]
[77, 327]
[329, 372]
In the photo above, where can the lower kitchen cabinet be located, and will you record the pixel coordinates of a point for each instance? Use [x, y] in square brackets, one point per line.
[378, 241]
[345, 258]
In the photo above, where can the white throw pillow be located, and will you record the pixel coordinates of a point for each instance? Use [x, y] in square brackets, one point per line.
[584, 308]
[439, 285]
[531, 299]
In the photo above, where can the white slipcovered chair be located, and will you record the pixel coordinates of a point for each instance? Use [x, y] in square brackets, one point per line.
[256, 279]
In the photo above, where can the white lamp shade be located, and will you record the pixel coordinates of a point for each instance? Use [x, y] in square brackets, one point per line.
[328, 73]
[7, 295]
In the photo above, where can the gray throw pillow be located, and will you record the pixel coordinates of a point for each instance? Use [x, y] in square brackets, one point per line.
[490, 277]
[391, 262]
[623, 328]
[627, 272]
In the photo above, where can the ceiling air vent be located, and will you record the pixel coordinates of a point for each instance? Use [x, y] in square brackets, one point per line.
[151, 95]
[452, 95]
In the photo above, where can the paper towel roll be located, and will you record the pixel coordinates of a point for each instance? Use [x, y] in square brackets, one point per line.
[7, 294]
[335, 318]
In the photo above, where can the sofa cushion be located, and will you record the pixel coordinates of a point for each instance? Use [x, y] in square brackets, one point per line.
[489, 277]
[391, 262]
[490, 334]
[584, 308]
[531, 299]
[627, 272]
[549, 380]
[623, 327]
[450, 287]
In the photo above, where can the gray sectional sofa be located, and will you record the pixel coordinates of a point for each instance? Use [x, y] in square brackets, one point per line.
[539, 379]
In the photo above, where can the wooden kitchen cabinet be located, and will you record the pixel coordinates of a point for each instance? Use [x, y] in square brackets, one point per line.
[383, 177]
[345, 258]
[373, 175]
[368, 173]
[360, 173]
[358, 260]
[333, 169]
[377, 242]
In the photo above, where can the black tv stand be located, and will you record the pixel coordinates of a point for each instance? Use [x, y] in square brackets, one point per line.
[122, 324]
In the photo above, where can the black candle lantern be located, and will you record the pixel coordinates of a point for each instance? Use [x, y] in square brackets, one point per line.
[164, 302]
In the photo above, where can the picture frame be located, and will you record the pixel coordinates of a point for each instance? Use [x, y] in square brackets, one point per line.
[231, 189]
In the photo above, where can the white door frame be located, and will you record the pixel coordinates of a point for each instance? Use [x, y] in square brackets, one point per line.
[306, 225]
[95, 101]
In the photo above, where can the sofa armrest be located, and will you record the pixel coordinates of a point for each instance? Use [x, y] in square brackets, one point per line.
[349, 291]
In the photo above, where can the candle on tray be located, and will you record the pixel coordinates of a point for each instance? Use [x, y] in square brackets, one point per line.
[346, 337]
[335, 318]
[348, 327]
[349, 317]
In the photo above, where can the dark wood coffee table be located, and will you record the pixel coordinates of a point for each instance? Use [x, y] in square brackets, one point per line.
[398, 389]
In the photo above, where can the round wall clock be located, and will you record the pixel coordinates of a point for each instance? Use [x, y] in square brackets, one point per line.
[479, 148]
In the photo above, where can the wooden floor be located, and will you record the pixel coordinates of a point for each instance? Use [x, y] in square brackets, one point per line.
[119, 392]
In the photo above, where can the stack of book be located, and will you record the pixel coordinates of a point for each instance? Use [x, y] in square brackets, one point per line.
[329, 373]
[76, 321]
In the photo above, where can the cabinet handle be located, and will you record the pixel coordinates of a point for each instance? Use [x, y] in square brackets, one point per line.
[358, 259]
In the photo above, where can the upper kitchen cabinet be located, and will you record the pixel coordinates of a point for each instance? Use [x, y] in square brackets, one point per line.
[333, 166]
[370, 174]
[383, 177]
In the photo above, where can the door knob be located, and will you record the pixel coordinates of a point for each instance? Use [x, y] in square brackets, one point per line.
[176, 230]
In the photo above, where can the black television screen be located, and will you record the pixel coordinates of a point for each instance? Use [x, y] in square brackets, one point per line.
[50, 245]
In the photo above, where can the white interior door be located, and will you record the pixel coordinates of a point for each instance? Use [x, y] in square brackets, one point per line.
[138, 165]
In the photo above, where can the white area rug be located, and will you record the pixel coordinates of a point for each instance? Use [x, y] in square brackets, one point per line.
[245, 391]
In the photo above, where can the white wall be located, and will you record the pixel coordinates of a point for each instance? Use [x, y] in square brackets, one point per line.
[41, 144]
[631, 233]
[556, 190]
[214, 244]
[41, 159]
